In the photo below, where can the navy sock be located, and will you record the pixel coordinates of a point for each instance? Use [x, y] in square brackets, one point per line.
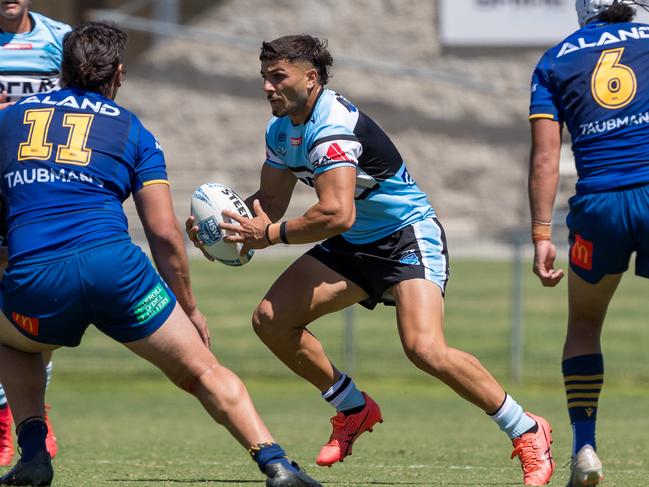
[583, 377]
[270, 453]
[31, 437]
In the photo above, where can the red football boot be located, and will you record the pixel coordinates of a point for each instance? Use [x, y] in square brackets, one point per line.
[345, 431]
[50, 440]
[6, 438]
[533, 450]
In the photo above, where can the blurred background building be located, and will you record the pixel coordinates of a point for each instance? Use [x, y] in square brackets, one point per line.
[447, 79]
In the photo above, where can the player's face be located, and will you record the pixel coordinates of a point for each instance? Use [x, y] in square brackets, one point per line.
[287, 86]
[13, 9]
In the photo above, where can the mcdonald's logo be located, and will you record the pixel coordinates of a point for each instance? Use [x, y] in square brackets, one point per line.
[30, 325]
[581, 253]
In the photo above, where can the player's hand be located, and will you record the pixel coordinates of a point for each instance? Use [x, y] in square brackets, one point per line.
[192, 232]
[251, 232]
[544, 255]
[3, 100]
[200, 322]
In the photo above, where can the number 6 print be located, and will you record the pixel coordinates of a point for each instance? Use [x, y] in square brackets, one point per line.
[613, 84]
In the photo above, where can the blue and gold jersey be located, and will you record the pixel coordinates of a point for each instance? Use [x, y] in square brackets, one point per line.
[337, 134]
[30, 63]
[596, 81]
[68, 160]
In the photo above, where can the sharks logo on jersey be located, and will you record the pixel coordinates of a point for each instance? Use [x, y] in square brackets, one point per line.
[336, 135]
[30, 62]
[596, 81]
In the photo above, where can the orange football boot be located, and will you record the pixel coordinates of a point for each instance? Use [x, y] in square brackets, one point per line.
[6, 438]
[533, 450]
[345, 431]
[50, 439]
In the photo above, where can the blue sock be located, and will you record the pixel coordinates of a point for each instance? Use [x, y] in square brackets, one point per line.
[511, 419]
[344, 395]
[270, 453]
[583, 377]
[3, 398]
[31, 437]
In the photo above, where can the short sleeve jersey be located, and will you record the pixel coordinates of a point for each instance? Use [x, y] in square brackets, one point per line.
[596, 82]
[337, 134]
[68, 160]
[30, 63]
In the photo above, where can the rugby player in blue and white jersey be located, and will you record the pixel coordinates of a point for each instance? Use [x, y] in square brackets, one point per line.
[382, 243]
[596, 83]
[30, 51]
[68, 160]
[30, 61]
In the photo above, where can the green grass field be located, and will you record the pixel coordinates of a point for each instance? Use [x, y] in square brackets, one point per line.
[121, 424]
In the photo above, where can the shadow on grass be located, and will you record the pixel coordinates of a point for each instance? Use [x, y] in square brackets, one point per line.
[356, 484]
[188, 481]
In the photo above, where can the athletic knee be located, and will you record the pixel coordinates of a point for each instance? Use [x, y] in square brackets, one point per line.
[266, 322]
[262, 319]
[190, 377]
[430, 358]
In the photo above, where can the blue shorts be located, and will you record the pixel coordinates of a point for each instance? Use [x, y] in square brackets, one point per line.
[109, 283]
[605, 229]
[417, 251]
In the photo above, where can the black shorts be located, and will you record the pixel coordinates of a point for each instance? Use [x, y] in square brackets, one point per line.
[418, 251]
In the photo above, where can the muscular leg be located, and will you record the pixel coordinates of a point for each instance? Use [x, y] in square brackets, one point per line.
[21, 371]
[178, 351]
[583, 364]
[420, 317]
[587, 306]
[304, 292]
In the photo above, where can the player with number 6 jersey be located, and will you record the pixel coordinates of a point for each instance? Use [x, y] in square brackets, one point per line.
[592, 82]
[596, 83]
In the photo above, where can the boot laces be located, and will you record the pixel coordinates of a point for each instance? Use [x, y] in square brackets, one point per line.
[339, 432]
[528, 450]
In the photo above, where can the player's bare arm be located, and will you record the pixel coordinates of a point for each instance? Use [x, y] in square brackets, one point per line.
[165, 239]
[333, 214]
[543, 182]
[274, 193]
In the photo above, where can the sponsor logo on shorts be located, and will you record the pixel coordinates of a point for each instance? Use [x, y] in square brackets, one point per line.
[409, 257]
[153, 303]
[27, 323]
[581, 253]
[209, 232]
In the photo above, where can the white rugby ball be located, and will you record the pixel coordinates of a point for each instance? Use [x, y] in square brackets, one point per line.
[208, 202]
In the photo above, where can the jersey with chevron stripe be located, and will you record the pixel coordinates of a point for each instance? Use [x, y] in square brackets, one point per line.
[337, 134]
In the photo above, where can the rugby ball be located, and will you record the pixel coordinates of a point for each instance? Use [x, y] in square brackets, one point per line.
[208, 203]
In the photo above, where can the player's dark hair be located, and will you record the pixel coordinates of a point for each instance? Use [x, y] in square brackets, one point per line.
[91, 54]
[302, 47]
[617, 13]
